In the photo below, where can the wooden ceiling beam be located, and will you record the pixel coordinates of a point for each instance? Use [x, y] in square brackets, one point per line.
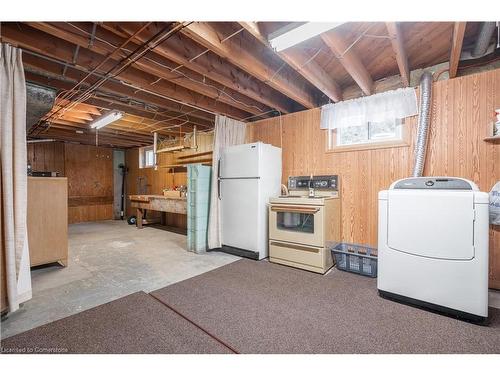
[181, 50]
[164, 115]
[186, 127]
[63, 85]
[125, 136]
[39, 72]
[27, 40]
[151, 125]
[102, 134]
[75, 109]
[61, 135]
[79, 107]
[148, 129]
[239, 55]
[303, 64]
[116, 128]
[456, 47]
[394, 32]
[69, 117]
[44, 44]
[159, 67]
[78, 115]
[349, 60]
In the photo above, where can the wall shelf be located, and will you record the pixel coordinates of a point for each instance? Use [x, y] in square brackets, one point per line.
[185, 163]
[195, 154]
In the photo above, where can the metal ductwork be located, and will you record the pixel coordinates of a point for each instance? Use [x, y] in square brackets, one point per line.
[424, 118]
[39, 101]
[484, 39]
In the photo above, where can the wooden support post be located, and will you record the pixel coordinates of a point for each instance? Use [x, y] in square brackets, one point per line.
[139, 218]
[396, 36]
[456, 47]
[349, 60]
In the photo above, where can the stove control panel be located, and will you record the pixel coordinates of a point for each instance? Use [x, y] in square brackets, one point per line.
[329, 182]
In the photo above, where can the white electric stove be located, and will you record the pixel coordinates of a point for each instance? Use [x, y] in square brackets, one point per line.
[300, 226]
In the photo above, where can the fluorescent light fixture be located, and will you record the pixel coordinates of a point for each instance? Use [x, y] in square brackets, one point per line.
[294, 34]
[106, 119]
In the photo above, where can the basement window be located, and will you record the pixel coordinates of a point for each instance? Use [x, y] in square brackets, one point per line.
[372, 135]
[146, 157]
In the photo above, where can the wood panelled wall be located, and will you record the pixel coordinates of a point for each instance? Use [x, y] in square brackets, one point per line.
[463, 108]
[46, 156]
[151, 181]
[89, 170]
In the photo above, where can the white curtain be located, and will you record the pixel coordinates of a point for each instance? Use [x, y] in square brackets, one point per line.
[389, 105]
[13, 176]
[228, 132]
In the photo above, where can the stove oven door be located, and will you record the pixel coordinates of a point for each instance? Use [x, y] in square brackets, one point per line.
[301, 224]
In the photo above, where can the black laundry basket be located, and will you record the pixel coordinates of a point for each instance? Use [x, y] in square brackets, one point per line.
[354, 258]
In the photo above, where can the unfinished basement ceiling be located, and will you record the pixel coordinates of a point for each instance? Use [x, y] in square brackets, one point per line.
[170, 77]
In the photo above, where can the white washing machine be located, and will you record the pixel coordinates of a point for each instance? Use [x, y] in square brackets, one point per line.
[433, 245]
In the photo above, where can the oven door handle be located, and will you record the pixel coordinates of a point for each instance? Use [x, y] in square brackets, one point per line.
[295, 246]
[296, 209]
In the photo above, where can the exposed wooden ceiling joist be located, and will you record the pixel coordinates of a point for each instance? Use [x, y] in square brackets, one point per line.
[181, 50]
[117, 127]
[44, 44]
[349, 60]
[394, 31]
[90, 139]
[48, 79]
[80, 107]
[29, 39]
[456, 47]
[199, 66]
[139, 110]
[303, 64]
[205, 34]
[129, 125]
[253, 28]
[161, 68]
[113, 132]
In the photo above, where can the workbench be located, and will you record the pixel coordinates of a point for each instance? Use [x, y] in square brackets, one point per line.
[176, 205]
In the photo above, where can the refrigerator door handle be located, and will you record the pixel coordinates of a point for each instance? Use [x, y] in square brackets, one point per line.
[218, 178]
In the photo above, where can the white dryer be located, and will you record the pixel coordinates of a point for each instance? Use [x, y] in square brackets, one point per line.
[433, 245]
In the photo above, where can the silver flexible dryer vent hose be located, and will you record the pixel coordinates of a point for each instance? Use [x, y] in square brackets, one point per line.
[424, 117]
[484, 39]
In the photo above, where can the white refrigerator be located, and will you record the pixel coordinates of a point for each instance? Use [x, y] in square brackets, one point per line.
[249, 175]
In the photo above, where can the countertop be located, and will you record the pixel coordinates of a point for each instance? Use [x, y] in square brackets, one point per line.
[147, 197]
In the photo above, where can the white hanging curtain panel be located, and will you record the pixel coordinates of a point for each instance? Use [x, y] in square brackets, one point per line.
[228, 132]
[389, 105]
[13, 176]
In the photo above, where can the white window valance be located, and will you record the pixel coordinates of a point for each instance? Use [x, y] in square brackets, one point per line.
[389, 105]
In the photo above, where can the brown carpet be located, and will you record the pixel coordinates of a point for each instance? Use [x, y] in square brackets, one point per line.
[260, 307]
[137, 323]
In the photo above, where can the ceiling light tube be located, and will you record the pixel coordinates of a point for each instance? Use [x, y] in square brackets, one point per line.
[106, 119]
[286, 37]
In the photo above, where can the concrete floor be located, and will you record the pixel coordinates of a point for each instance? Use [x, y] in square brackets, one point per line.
[108, 260]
